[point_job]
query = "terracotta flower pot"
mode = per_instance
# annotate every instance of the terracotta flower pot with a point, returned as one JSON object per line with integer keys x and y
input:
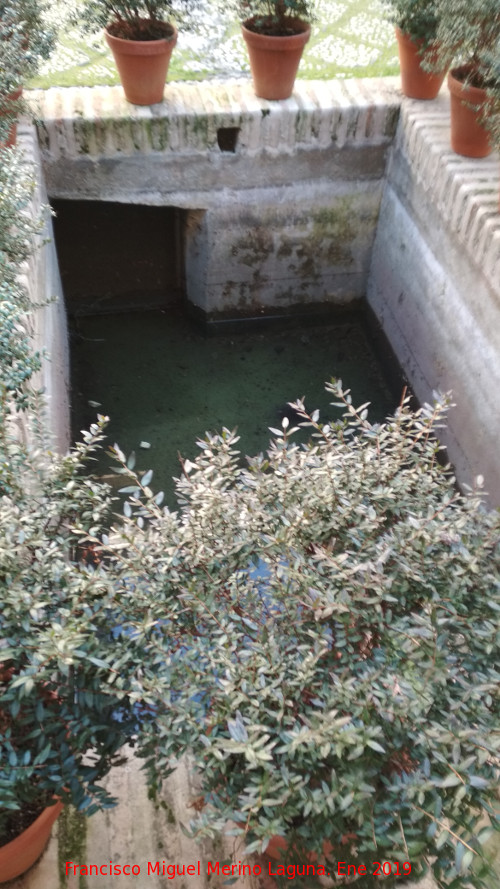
{"x": 142, "y": 66}
{"x": 12, "y": 137}
{"x": 415, "y": 81}
{"x": 21, "y": 853}
{"x": 274, "y": 61}
{"x": 468, "y": 136}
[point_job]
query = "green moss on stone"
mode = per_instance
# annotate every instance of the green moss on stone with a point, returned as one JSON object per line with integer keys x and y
{"x": 169, "y": 812}
{"x": 334, "y": 230}
{"x": 85, "y": 131}
{"x": 391, "y": 121}
{"x": 72, "y": 843}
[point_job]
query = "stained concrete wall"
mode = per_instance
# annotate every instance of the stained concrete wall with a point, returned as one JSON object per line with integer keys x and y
{"x": 48, "y": 319}
{"x": 435, "y": 282}
{"x": 138, "y": 832}
{"x": 281, "y": 213}
{"x": 285, "y": 219}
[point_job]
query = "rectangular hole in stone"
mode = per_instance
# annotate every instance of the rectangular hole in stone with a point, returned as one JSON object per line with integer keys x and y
{"x": 227, "y": 138}
{"x": 117, "y": 257}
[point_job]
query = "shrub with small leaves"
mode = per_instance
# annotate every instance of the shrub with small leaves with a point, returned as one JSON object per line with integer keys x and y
{"x": 128, "y": 19}
{"x": 25, "y": 39}
{"x": 416, "y": 18}
{"x": 493, "y": 108}
{"x": 468, "y": 31}
{"x": 275, "y": 17}
{"x": 72, "y": 651}
{"x": 329, "y": 618}
{"x": 72, "y": 648}
{"x": 18, "y": 231}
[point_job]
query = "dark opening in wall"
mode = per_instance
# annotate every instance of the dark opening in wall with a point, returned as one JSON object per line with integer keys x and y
{"x": 227, "y": 138}
{"x": 117, "y": 257}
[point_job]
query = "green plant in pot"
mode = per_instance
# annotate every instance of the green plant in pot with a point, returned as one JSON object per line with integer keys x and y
{"x": 416, "y": 26}
{"x": 493, "y": 101}
{"x": 73, "y": 653}
{"x": 336, "y": 673}
{"x": 25, "y": 39}
{"x": 468, "y": 32}
{"x": 275, "y": 33}
{"x": 141, "y": 39}
{"x": 11, "y": 79}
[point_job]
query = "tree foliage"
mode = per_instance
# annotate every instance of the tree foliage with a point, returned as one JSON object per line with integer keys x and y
{"x": 327, "y": 626}
{"x": 416, "y": 18}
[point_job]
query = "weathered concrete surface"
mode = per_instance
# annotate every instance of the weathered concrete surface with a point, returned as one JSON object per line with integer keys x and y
{"x": 138, "y": 833}
{"x": 286, "y": 218}
{"x": 435, "y": 282}
{"x": 278, "y": 247}
{"x": 48, "y": 320}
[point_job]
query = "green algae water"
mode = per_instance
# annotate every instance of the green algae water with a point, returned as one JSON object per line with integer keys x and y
{"x": 163, "y": 382}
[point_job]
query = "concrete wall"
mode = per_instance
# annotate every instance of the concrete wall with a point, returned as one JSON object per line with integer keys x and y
{"x": 435, "y": 282}
{"x": 48, "y": 320}
{"x": 282, "y": 201}
{"x": 285, "y": 216}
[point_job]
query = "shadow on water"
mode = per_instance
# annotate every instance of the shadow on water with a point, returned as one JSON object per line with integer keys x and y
{"x": 164, "y": 382}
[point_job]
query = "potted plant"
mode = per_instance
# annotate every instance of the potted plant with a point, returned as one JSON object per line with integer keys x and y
{"x": 141, "y": 41}
{"x": 493, "y": 105}
{"x": 73, "y": 653}
{"x": 468, "y": 31}
{"x": 335, "y": 677}
{"x": 25, "y": 39}
{"x": 275, "y": 33}
{"x": 416, "y": 25}
{"x": 11, "y": 77}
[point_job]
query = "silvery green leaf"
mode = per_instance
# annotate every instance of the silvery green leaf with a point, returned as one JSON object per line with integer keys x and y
{"x": 459, "y": 854}
{"x": 477, "y": 781}
{"x": 250, "y": 623}
{"x": 450, "y": 781}
{"x": 146, "y": 478}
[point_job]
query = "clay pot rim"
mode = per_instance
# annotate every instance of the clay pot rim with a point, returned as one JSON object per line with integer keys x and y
{"x": 38, "y": 833}
{"x": 155, "y": 46}
{"x": 458, "y": 86}
{"x": 403, "y": 35}
{"x": 429, "y": 50}
{"x": 275, "y": 42}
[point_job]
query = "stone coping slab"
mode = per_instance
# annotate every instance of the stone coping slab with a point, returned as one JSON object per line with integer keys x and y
{"x": 465, "y": 191}
{"x": 99, "y": 122}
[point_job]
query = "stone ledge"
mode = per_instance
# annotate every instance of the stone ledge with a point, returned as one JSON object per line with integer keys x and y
{"x": 465, "y": 191}
{"x": 99, "y": 122}
{"x": 434, "y": 282}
